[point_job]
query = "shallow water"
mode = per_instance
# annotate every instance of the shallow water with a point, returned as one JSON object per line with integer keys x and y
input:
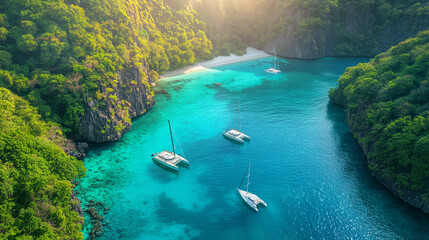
{"x": 305, "y": 163}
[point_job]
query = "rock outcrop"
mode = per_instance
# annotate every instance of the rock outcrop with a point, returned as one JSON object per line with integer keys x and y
{"x": 108, "y": 116}
{"x": 77, "y": 207}
{"x": 78, "y": 151}
{"x": 317, "y": 44}
{"x": 358, "y": 35}
{"x": 411, "y": 197}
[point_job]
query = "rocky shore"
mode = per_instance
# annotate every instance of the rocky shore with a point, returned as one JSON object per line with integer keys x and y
{"x": 409, "y": 196}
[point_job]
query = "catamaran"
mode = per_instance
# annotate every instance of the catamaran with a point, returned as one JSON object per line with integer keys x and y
{"x": 275, "y": 68}
{"x": 170, "y": 159}
{"x": 234, "y": 134}
{"x": 249, "y": 198}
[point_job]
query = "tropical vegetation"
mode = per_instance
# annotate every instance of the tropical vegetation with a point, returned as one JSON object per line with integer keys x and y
{"x": 58, "y": 54}
{"x": 387, "y": 105}
{"x": 35, "y": 176}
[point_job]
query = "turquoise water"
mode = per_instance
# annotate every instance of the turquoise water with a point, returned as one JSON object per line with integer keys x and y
{"x": 305, "y": 163}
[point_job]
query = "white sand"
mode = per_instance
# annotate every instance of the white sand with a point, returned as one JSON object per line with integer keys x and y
{"x": 251, "y": 54}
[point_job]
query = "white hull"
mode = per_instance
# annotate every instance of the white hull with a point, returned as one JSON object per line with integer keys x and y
{"x": 251, "y": 199}
{"x": 272, "y": 70}
{"x": 236, "y": 135}
{"x": 170, "y": 160}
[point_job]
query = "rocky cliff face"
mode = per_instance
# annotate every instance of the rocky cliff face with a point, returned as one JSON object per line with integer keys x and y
{"x": 108, "y": 116}
{"x": 410, "y": 196}
{"x": 318, "y": 44}
{"x": 349, "y": 32}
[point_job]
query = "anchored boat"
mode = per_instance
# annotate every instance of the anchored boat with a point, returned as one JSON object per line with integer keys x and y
{"x": 234, "y": 134}
{"x": 275, "y": 68}
{"x": 169, "y": 159}
{"x": 249, "y": 198}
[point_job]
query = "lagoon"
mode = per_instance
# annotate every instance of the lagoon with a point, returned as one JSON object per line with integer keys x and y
{"x": 306, "y": 165}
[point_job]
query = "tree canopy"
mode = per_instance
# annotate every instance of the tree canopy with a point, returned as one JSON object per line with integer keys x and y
{"x": 387, "y": 105}
{"x": 35, "y": 176}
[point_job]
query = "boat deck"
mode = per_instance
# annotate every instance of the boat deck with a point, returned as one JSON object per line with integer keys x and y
{"x": 170, "y": 159}
{"x": 251, "y": 199}
{"x": 256, "y": 200}
{"x": 272, "y": 70}
{"x": 236, "y": 135}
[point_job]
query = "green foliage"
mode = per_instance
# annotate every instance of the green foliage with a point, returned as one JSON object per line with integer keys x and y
{"x": 3, "y": 33}
{"x": 57, "y": 54}
{"x": 387, "y": 102}
{"x": 35, "y": 176}
{"x": 26, "y": 43}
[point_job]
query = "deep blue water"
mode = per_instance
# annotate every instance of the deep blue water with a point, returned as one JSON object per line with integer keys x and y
{"x": 305, "y": 163}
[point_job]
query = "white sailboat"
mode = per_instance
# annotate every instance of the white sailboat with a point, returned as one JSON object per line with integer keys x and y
{"x": 249, "y": 198}
{"x": 170, "y": 159}
{"x": 275, "y": 68}
{"x": 234, "y": 134}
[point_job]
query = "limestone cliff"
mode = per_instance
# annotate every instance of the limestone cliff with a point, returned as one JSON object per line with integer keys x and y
{"x": 108, "y": 117}
{"x": 348, "y": 31}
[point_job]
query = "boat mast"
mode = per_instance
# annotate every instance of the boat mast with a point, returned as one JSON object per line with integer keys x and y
{"x": 248, "y": 179}
{"x": 274, "y": 59}
{"x": 171, "y": 135}
{"x": 239, "y": 122}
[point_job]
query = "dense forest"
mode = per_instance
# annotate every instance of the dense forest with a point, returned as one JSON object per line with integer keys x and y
{"x": 35, "y": 176}
{"x": 312, "y": 28}
{"x": 60, "y": 55}
{"x": 387, "y": 105}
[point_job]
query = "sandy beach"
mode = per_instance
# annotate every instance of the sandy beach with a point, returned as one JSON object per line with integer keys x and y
{"x": 251, "y": 54}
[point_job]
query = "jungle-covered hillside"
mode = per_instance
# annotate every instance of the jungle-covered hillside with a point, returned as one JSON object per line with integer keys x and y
{"x": 387, "y": 105}
{"x": 35, "y": 176}
{"x": 59, "y": 55}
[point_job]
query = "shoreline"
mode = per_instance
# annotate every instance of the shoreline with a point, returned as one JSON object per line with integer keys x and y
{"x": 251, "y": 54}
